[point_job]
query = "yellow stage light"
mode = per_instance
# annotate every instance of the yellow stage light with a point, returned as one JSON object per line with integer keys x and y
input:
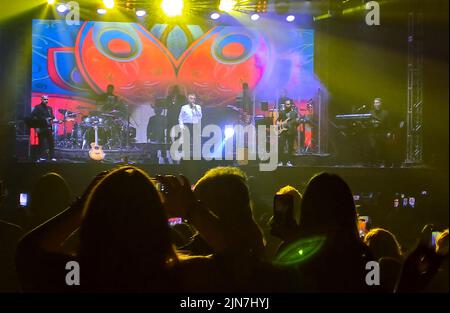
{"x": 109, "y": 4}
{"x": 172, "y": 7}
{"x": 51, "y": 1}
{"x": 227, "y": 5}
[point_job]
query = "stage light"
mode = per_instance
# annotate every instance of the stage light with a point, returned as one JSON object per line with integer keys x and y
{"x": 51, "y": 1}
{"x": 101, "y": 11}
{"x": 290, "y": 18}
{"x": 215, "y": 16}
{"x": 109, "y": 4}
{"x": 61, "y": 8}
{"x": 172, "y": 7}
{"x": 254, "y": 17}
{"x": 229, "y": 132}
{"x": 261, "y": 6}
{"x": 322, "y": 17}
{"x": 227, "y": 5}
{"x": 141, "y": 13}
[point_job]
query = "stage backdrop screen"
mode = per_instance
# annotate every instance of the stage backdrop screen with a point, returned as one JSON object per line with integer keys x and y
{"x": 75, "y": 64}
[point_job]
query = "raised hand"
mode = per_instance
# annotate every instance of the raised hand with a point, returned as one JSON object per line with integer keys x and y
{"x": 178, "y": 198}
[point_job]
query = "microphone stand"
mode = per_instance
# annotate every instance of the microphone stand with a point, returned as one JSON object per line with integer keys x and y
{"x": 360, "y": 108}
{"x": 127, "y": 140}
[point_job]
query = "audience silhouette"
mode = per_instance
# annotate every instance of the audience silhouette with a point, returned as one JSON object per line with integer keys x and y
{"x": 130, "y": 232}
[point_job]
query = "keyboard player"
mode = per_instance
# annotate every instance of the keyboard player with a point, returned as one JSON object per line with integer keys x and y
{"x": 370, "y": 131}
{"x": 379, "y": 133}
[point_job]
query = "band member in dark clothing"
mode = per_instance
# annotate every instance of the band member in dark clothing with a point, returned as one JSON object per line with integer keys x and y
{"x": 156, "y": 134}
{"x": 116, "y": 114}
{"x": 174, "y": 101}
{"x": 282, "y": 100}
{"x": 245, "y": 103}
{"x": 287, "y": 127}
{"x": 42, "y": 116}
{"x": 155, "y": 127}
{"x": 110, "y": 103}
{"x": 379, "y": 133}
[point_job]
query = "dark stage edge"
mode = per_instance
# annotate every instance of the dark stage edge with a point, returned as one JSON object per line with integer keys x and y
{"x": 359, "y": 177}
{"x": 22, "y": 176}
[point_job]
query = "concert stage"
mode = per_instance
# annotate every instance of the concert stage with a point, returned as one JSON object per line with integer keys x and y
{"x": 122, "y": 82}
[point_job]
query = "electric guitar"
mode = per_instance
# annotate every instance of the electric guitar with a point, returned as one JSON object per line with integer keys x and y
{"x": 96, "y": 153}
{"x": 282, "y": 126}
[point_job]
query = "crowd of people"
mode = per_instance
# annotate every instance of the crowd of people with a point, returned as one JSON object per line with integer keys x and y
{"x": 131, "y": 232}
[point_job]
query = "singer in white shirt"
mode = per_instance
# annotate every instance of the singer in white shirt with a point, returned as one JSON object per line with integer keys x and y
{"x": 190, "y": 113}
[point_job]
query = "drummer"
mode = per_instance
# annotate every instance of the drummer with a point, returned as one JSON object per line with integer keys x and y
{"x": 109, "y": 103}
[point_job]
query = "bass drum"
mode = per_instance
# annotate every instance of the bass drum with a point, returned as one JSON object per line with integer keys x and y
{"x": 77, "y": 135}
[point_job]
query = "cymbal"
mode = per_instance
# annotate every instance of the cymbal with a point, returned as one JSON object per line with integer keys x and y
{"x": 107, "y": 114}
{"x": 62, "y": 111}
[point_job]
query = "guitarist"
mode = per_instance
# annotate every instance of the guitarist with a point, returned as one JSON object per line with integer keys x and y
{"x": 42, "y": 116}
{"x": 287, "y": 126}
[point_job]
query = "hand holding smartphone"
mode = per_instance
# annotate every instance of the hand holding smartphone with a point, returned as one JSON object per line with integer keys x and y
{"x": 283, "y": 223}
{"x": 363, "y": 228}
{"x": 283, "y": 206}
{"x": 23, "y": 200}
{"x": 177, "y": 194}
{"x": 434, "y": 235}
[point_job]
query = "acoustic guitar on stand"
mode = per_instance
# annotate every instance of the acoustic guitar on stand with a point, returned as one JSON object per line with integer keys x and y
{"x": 96, "y": 153}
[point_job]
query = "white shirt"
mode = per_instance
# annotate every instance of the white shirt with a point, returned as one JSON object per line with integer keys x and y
{"x": 190, "y": 115}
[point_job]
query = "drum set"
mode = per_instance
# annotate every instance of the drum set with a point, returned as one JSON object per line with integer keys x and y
{"x": 114, "y": 131}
